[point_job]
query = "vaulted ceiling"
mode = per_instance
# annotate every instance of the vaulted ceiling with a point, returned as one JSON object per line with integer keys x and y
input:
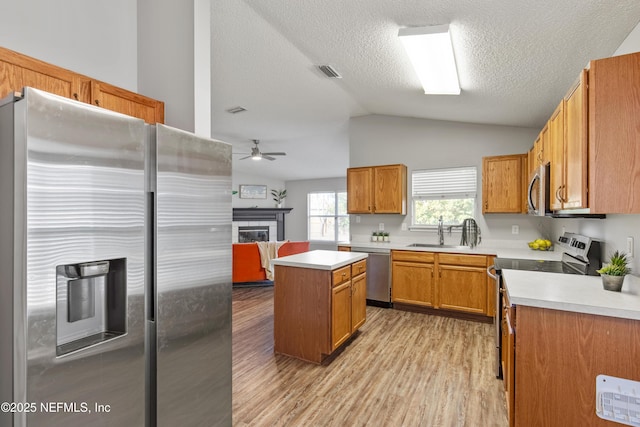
{"x": 515, "y": 58}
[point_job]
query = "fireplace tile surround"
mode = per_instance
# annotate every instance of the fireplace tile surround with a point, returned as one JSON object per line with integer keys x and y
{"x": 248, "y": 217}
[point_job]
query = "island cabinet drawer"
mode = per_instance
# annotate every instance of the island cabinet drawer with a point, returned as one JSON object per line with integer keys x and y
{"x": 341, "y": 275}
{"x": 462, "y": 259}
{"x": 415, "y": 256}
{"x": 359, "y": 267}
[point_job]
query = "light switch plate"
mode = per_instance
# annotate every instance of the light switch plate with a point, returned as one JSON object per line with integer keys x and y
{"x": 630, "y": 246}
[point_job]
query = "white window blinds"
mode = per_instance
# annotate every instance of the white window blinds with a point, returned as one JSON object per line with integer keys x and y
{"x": 451, "y": 183}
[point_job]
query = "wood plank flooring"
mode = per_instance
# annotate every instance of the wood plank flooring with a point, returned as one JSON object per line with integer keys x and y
{"x": 401, "y": 369}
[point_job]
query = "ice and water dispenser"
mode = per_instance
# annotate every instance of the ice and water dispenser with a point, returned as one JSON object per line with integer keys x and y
{"x": 91, "y": 303}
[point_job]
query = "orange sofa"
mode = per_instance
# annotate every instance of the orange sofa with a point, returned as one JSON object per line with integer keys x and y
{"x": 247, "y": 266}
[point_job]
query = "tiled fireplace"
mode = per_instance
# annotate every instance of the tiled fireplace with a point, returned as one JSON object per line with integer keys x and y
{"x": 258, "y": 224}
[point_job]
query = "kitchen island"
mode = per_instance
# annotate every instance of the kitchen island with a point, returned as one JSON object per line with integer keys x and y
{"x": 562, "y": 332}
{"x": 319, "y": 302}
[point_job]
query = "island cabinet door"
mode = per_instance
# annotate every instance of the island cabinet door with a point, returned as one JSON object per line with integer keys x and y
{"x": 358, "y": 301}
{"x": 340, "y": 314}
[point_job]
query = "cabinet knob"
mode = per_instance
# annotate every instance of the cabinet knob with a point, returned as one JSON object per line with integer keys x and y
{"x": 97, "y": 102}
{"x": 75, "y": 96}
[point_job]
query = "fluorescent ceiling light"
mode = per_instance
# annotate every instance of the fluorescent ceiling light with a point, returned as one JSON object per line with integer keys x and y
{"x": 431, "y": 54}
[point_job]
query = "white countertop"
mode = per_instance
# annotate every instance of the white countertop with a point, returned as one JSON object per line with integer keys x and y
{"x": 572, "y": 292}
{"x": 320, "y": 260}
{"x": 502, "y": 252}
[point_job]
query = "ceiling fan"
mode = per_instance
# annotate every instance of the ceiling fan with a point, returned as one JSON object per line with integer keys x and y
{"x": 256, "y": 154}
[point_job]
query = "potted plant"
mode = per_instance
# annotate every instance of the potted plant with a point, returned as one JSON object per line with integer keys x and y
{"x": 374, "y": 236}
{"x": 279, "y": 196}
{"x": 613, "y": 273}
{"x": 385, "y": 236}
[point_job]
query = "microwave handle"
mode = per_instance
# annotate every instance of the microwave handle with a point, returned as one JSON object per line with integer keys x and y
{"x": 536, "y": 176}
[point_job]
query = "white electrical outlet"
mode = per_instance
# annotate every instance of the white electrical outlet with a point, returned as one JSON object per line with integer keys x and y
{"x": 515, "y": 229}
{"x": 630, "y": 246}
{"x": 357, "y": 219}
{"x": 381, "y": 226}
{"x": 403, "y": 227}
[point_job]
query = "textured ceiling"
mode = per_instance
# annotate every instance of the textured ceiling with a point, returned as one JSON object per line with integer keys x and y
{"x": 515, "y": 60}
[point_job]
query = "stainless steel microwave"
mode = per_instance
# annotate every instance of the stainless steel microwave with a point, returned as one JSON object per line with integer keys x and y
{"x": 538, "y": 191}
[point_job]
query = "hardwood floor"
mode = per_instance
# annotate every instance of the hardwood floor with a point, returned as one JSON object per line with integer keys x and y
{"x": 401, "y": 369}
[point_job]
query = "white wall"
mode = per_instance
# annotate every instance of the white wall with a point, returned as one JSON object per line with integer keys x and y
{"x": 296, "y": 221}
{"x": 425, "y": 144}
{"x": 245, "y": 179}
{"x": 95, "y": 38}
{"x": 166, "y": 57}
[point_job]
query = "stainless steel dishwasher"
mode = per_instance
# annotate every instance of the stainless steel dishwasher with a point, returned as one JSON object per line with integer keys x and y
{"x": 378, "y": 275}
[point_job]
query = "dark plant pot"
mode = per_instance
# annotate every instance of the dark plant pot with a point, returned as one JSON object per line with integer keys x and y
{"x": 612, "y": 283}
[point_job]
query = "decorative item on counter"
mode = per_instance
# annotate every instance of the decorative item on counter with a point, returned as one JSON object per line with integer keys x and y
{"x": 385, "y": 236}
{"x": 541, "y": 245}
{"x": 471, "y": 235}
{"x": 279, "y": 196}
{"x": 613, "y": 273}
{"x": 374, "y": 236}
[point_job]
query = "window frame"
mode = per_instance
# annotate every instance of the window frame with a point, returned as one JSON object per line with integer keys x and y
{"x": 443, "y": 194}
{"x": 336, "y": 216}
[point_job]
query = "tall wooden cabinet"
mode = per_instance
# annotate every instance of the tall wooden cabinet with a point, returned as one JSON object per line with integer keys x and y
{"x": 556, "y": 134}
{"x": 503, "y": 183}
{"x": 614, "y": 134}
{"x": 18, "y": 71}
{"x": 575, "y": 142}
{"x": 377, "y": 189}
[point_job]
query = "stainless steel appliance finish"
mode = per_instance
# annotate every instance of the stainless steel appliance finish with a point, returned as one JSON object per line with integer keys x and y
{"x": 76, "y": 197}
{"x": 115, "y": 269}
{"x": 582, "y": 255}
{"x": 192, "y": 279}
{"x": 538, "y": 191}
{"x": 378, "y": 275}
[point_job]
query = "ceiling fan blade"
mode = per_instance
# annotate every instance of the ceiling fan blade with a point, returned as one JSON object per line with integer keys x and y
{"x": 242, "y": 158}
{"x": 275, "y": 154}
{"x": 264, "y": 156}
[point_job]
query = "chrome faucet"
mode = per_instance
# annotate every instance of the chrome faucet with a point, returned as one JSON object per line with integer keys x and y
{"x": 440, "y": 230}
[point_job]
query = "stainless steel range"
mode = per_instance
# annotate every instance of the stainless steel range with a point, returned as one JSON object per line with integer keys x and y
{"x": 581, "y": 255}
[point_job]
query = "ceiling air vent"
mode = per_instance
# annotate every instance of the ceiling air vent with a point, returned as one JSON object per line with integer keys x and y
{"x": 236, "y": 110}
{"x": 329, "y": 71}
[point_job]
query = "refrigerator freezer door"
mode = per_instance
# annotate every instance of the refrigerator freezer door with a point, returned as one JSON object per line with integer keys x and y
{"x": 193, "y": 279}
{"x": 79, "y": 200}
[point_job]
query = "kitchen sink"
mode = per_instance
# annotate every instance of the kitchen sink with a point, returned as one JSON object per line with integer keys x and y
{"x": 435, "y": 245}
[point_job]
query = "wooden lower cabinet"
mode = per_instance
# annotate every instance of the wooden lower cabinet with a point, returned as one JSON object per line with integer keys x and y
{"x": 358, "y": 301}
{"x": 340, "y": 314}
{"x": 316, "y": 311}
{"x": 412, "y": 278}
{"x": 508, "y": 357}
{"x": 559, "y": 354}
{"x": 459, "y": 285}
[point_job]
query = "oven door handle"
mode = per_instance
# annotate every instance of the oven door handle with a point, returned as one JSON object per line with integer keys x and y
{"x": 491, "y": 267}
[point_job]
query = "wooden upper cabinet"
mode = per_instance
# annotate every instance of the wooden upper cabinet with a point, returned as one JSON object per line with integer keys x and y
{"x": 359, "y": 190}
{"x": 390, "y": 189}
{"x": 123, "y": 101}
{"x": 377, "y": 189}
{"x": 614, "y": 135}
{"x": 556, "y": 134}
{"x": 575, "y": 142}
{"x": 18, "y": 71}
{"x": 503, "y": 183}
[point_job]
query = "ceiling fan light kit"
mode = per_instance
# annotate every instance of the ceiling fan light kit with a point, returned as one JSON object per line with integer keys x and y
{"x": 431, "y": 53}
{"x": 256, "y": 154}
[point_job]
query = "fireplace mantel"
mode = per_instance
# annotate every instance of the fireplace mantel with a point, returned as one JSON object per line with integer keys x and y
{"x": 263, "y": 214}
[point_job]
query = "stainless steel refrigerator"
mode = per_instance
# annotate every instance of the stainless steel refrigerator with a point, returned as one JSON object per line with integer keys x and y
{"x": 115, "y": 269}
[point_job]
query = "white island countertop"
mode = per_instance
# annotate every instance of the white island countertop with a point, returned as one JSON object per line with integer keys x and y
{"x": 320, "y": 260}
{"x": 573, "y": 292}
